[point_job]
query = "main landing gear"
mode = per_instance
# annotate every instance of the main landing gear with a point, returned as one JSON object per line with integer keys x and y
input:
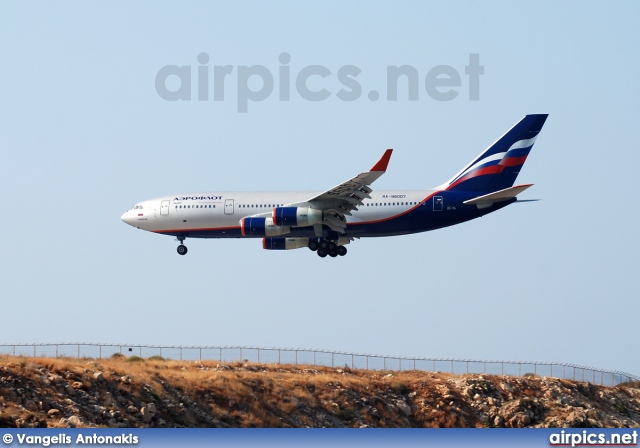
{"x": 182, "y": 249}
{"x": 324, "y": 248}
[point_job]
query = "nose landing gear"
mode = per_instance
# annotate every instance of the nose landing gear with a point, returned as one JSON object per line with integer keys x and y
{"x": 182, "y": 249}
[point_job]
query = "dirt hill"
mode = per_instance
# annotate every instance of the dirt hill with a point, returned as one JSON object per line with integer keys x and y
{"x": 42, "y": 392}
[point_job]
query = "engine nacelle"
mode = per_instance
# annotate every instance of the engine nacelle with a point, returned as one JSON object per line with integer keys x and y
{"x": 284, "y": 243}
{"x": 296, "y": 216}
{"x": 261, "y": 227}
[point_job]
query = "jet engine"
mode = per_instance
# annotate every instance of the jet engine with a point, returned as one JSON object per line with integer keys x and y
{"x": 261, "y": 227}
{"x": 296, "y": 216}
{"x": 284, "y": 243}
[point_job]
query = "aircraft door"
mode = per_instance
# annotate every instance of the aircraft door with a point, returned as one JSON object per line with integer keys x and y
{"x": 438, "y": 203}
{"x": 228, "y": 206}
{"x": 164, "y": 208}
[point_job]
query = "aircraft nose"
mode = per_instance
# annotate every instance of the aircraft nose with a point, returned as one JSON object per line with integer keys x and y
{"x": 127, "y": 218}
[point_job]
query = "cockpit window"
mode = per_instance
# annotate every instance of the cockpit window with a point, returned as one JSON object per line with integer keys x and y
{"x": 137, "y": 207}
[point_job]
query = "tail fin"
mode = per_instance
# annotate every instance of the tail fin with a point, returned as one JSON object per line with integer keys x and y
{"x": 498, "y": 166}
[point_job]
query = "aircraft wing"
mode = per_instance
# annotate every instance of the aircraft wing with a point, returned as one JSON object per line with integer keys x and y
{"x": 342, "y": 199}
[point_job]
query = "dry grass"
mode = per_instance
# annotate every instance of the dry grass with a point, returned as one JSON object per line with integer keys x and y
{"x": 205, "y": 393}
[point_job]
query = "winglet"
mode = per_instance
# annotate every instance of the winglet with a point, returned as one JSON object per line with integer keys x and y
{"x": 383, "y": 162}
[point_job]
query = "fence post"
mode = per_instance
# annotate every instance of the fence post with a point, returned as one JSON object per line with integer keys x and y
{"x": 100, "y": 351}
{"x": 200, "y": 354}
{"x": 78, "y": 351}
{"x": 352, "y": 360}
{"x": 258, "y": 356}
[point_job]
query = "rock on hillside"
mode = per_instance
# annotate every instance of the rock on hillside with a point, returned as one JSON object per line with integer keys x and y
{"x": 39, "y": 392}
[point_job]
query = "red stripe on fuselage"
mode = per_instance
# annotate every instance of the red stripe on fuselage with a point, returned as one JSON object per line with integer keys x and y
{"x": 420, "y": 204}
{"x": 195, "y": 230}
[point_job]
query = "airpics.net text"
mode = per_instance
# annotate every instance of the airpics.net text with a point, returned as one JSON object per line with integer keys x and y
{"x": 254, "y": 83}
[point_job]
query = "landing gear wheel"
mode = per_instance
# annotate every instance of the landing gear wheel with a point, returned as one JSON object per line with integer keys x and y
{"x": 313, "y": 245}
{"x": 342, "y": 251}
{"x": 333, "y": 252}
{"x": 182, "y": 249}
{"x": 323, "y": 245}
{"x": 322, "y": 253}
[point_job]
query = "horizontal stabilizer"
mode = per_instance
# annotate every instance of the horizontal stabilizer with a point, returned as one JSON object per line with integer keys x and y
{"x": 488, "y": 200}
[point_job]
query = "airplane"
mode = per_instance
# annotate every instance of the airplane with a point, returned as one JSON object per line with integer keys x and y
{"x": 326, "y": 222}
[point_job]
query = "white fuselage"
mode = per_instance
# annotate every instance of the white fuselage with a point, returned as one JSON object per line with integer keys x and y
{"x": 221, "y": 212}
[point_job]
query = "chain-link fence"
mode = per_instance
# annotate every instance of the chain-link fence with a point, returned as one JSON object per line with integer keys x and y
{"x": 322, "y": 358}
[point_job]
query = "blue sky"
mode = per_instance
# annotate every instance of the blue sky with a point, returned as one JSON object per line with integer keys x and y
{"x": 84, "y": 136}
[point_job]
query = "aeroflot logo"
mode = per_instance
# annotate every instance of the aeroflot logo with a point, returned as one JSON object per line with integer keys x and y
{"x": 314, "y": 82}
{"x": 199, "y": 198}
